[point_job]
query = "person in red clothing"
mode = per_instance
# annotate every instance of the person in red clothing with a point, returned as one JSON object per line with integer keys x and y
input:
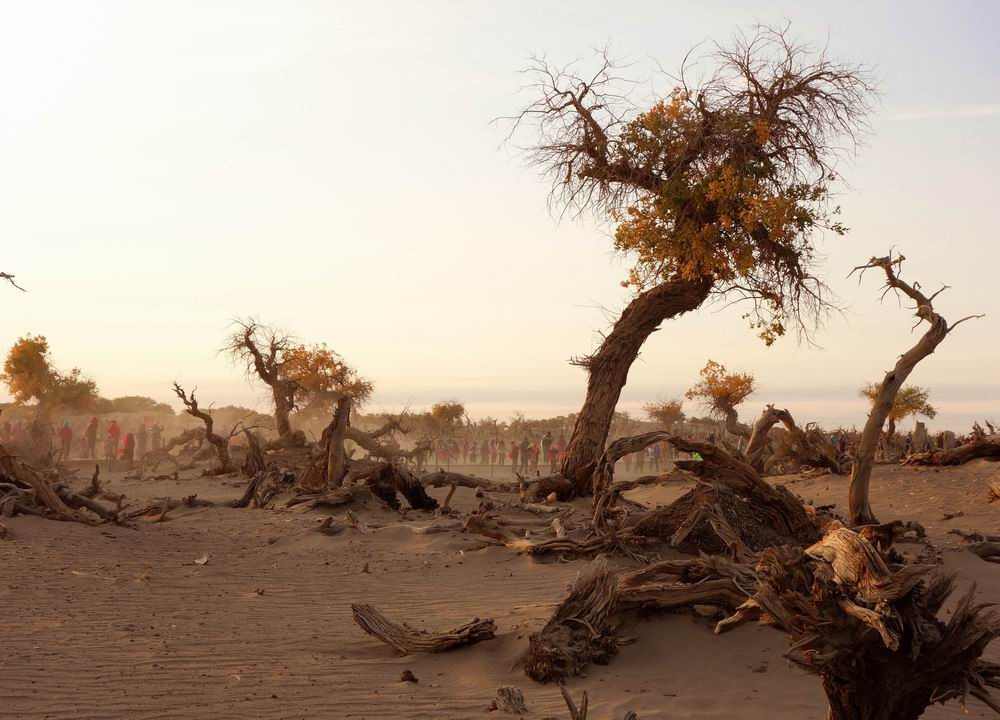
{"x": 65, "y": 440}
{"x": 114, "y": 433}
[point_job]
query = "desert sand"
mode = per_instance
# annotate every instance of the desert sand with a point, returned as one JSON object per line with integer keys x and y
{"x": 113, "y": 622}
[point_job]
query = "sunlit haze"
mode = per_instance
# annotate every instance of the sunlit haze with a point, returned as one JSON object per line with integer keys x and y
{"x": 332, "y": 168}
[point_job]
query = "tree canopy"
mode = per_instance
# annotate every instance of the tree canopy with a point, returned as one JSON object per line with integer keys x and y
{"x": 30, "y": 376}
{"x": 910, "y": 400}
{"x": 665, "y": 412}
{"x": 720, "y": 390}
{"x": 727, "y": 179}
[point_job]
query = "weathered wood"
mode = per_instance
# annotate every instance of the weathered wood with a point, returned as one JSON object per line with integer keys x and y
{"x": 510, "y": 699}
{"x": 408, "y": 640}
{"x": 937, "y": 330}
{"x": 579, "y": 631}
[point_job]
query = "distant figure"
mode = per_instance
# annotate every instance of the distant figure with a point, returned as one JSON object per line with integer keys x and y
{"x": 501, "y": 452}
{"x": 640, "y": 461}
{"x": 654, "y": 453}
{"x": 157, "y": 434}
{"x": 65, "y": 440}
{"x": 561, "y": 444}
{"x": 472, "y": 454}
{"x": 553, "y": 459}
{"x": 842, "y": 443}
{"x": 91, "y": 436}
{"x": 493, "y": 452}
{"x": 114, "y": 433}
{"x": 534, "y": 457}
{"x": 711, "y": 438}
{"x": 514, "y": 455}
{"x": 525, "y": 453}
{"x": 465, "y": 451}
{"x": 484, "y": 453}
{"x": 546, "y": 443}
{"x": 128, "y": 451}
{"x": 141, "y": 440}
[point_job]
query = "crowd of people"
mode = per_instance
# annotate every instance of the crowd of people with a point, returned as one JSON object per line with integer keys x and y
{"x": 524, "y": 456}
{"x": 527, "y": 455}
{"x": 67, "y": 441}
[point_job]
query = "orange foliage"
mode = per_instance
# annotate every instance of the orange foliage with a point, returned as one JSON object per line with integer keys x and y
{"x": 720, "y": 390}
{"x": 321, "y": 376}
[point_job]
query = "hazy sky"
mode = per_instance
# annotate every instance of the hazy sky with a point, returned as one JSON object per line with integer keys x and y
{"x": 331, "y": 167}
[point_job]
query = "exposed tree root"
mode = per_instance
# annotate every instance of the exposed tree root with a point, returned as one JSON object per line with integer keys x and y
{"x": 408, "y": 640}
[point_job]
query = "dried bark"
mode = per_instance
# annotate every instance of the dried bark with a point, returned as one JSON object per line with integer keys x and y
{"x": 408, "y": 640}
{"x": 937, "y": 330}
{"x": 872, "y": 633}
{"x": 608, "y": 367}
{"x": 509, "y": 699}
{"x": 987, "y": 447}
{"x": 808, "y": 450}
{"x": 580, "y": 631}
{"x": 255, "y": 462}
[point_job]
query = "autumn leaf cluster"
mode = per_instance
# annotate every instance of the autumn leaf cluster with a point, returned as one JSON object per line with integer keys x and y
{"x": 721, "y": 390}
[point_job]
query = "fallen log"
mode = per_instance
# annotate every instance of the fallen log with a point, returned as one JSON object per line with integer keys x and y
{"x": 408, "y": 640}
{"x": 987, "y": 447}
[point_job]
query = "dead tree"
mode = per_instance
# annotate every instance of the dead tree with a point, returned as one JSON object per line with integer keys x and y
{"x": 220, "y": 443}
{"x": 261, "y": 349}
{"x": 10, "y": 278}
{"x": 786, "y": 108}
{"x": 937, "y": 330}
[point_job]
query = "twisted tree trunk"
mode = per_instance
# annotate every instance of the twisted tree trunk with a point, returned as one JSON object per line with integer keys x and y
{"x": 858, "y": 502}
{"x": 607, "y": 370}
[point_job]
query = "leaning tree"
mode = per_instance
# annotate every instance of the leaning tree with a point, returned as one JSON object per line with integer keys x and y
{"x": 888, "y": 390}
{"x": 718, "y": 188}
{"x": 297, "y": 375}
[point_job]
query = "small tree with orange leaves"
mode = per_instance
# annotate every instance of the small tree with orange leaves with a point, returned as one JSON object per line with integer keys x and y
{"x": 721, "y": 391}
{"x": 718, "y": 189}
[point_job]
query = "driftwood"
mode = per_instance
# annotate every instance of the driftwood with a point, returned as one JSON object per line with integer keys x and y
{"x": 509, "y": 699}
{"x": 255, "y": 462}
{"x": 986, "y": 447}
{"x": 580, "y": 631}
{"x": 808, "y": 447}
{"x": 262, "y": 487}
{"x": 408, "y": 640}
{"x": 33, "y": 493}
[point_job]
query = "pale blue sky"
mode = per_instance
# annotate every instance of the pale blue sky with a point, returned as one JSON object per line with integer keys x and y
{"x": 331, "y": 167}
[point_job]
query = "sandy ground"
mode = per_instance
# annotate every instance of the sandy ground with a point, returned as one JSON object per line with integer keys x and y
{"x": 110, "y": 622}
